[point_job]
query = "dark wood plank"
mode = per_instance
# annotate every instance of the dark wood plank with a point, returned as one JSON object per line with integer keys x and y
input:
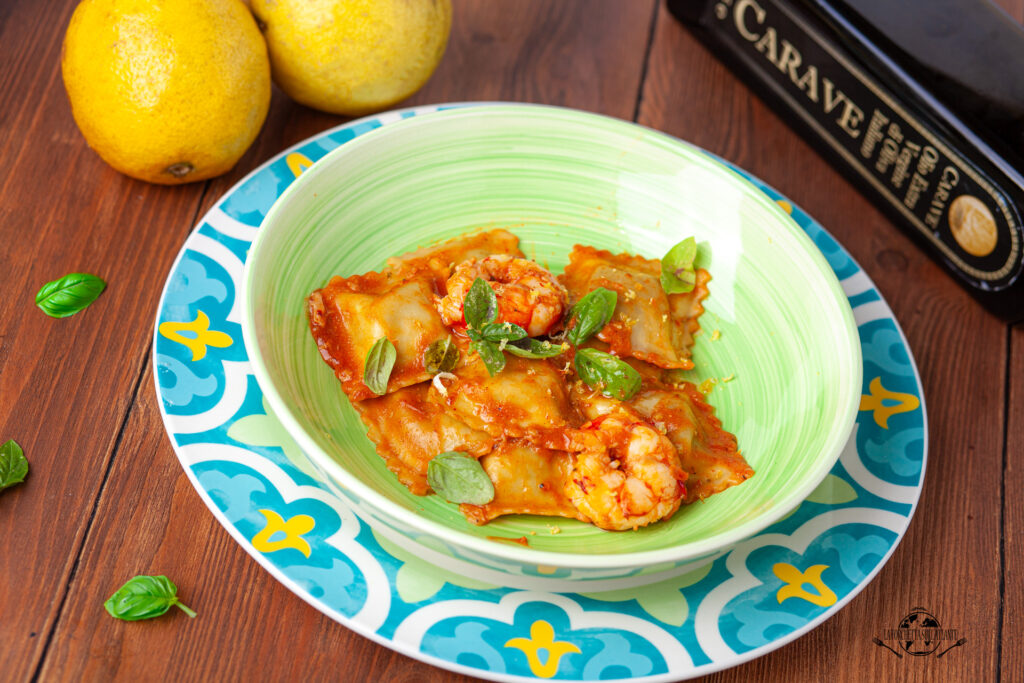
{"x": 949, "y": 560}
{"x": 583, "y": 54}
{"x": 1013, "y": 514}
{"x": 66, "y": 385}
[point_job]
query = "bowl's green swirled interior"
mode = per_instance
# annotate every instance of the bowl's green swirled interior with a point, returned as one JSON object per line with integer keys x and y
{"x": 556, "y": 178}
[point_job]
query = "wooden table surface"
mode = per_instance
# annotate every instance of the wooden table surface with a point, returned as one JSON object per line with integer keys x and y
{"x": 106, "y": 498}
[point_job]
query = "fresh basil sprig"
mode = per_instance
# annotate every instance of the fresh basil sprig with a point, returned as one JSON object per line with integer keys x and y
{"x": 534, "y": 348}
{"x": 380, "y": 360}
{"x": 144, "y": 597}
{"x": 499, "y": 332}
{"x": 491, "y": 355}
{"x": 459, "y": 478}
{"x": 491, "y": 338}
{"x": 591, "y": 314}
{"x": 677, "y": 274}
{"x": 606, "y": 373}
{"x": 480, "y": 309}
{"x": 480, "y": 305}
{"x": 69, "y": 294}
{"x": 13, "y": 464}
{"x": 441, "y": 356}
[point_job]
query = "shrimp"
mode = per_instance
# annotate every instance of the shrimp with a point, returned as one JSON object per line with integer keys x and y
{"x": 528, "y": 295}
{"x": 626, "y": 474}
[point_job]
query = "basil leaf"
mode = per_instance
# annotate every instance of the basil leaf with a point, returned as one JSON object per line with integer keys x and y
{"x": 497, "y": 332}
{"x": 13, "y": 464}
{"x": 602, "y": 371}
{"x": 480, "y": 305}
{"x": 69, "y": 295}
{"x": 459, "y": 478}
{"x": 677, "y": 276}
{"x": 144, "y": 597}
{"x": 534, "y": 348}
{"x": 491, "y": 355}
{"x": 379, "y": 362}
{"x": 591, "y": 313}
{"x": 441, "y": 356}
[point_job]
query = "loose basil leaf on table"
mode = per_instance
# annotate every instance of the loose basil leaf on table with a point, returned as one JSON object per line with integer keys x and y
{"x": 380, "y": 360}
{"x": 534, "y": 348}
{"x": 602, "y": 371}
{"x": 13, "y": 464}
{"x": 591, "y": 314}
{"x": 480, "y": 305}
{"x": 677, "y": 274}
{"x": 491, "y": 355}
{"x": 459, "y": 478}
{"x": 496, "y": 332}
{"x": 144, "y": 597}
{"x": 441, "y": 356}
{"x": 70, "y": 294}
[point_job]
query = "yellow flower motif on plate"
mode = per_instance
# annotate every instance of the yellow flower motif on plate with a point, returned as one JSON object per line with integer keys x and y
{"x": 887, "y": 403}
{"x": 786, "y": 206}
{"x": 204, "y": 336}
{"x": 542, "y": 637}
{"x": 292, "y": 529}
{"x": 297, "y": 163}
{"x": 795, "y": 580}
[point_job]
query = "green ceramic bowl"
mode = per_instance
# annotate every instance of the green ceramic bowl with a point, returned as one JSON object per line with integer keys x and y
{"x": 557, "y": 177}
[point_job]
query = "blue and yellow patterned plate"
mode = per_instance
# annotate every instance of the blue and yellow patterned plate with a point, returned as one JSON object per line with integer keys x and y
{"x": 765, "y": 592}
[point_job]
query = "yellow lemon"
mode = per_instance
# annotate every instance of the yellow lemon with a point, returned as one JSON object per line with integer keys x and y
{"x": 353, "y": 56}
{"x": 169, "y": 91}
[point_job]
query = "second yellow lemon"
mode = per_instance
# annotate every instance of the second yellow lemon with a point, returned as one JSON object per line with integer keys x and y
{"x": 353, "y": 56}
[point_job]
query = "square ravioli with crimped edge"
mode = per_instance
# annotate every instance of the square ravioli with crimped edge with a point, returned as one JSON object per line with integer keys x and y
{"x": 707, "y": 453}
{"x": 350, "y": 314}
{"x": 648, "y": 324}
{"x": 528, "y": 480}
{"x": 409, "y": 430}
{"x": 527, "y": 400}
{"x": 440, "y": 259}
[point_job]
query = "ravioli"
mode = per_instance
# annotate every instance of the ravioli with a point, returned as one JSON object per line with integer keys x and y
{"x": 648, "y": 324}
{"x": 707, "y": 452}
{"x": 440, "y": 259}
{"x": 409, "y": 430}
{"x": 528, "y": 400}
{"x": 350, "y": 314}
{"x": 528, "y": 480}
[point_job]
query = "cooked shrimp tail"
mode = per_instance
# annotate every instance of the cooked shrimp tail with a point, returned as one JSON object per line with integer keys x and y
{"x": 527, "y": 294}
{"x": 626, "y": 474}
